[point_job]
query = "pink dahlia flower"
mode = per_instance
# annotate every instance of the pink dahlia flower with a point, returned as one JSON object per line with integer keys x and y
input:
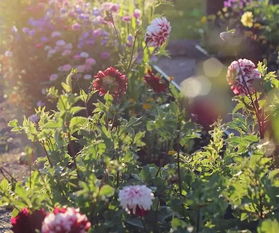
{"x": 65, "y": 220}
{"x": 136, "y": 199}
{"x": 156, "y": 83}
{"x": 157, "y": 32}
{"x": 241, "y": 76}
{"x": 112, "y": 81}
{"x": 27, "y": 221}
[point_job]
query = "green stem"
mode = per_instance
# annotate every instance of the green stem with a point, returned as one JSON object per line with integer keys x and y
{"x": 132, "y": 53}
{"x": 47, "y": 155}
{"x": 179, "y": 172}
{"x": 253, "y": 103}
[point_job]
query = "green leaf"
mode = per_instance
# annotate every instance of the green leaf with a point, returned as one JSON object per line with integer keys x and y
{"x": 77, "y": 123}
{"x": 106, "y": 191}
{"x": 135, "y": 222}
{"x": 66, "y": 87}
{"x": 138, "y": 139}
{"x": 269, "y": 226}
{"x": 76, "y": 109}
{"x": 14, "y": 125}
{"x": 177, "y": 223}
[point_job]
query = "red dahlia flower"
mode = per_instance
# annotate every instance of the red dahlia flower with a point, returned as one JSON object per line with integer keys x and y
{"x": 241, "y": 76}
{"x": 156, "y": 83}
{"x": 27, "y": 221}
{"x": 112, "y": 81}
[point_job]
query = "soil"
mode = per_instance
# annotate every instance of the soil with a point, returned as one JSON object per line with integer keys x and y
{"x": 11, "y": 155}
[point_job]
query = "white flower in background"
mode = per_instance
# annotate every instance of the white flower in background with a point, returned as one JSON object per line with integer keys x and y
{"x": 136, "y": 199}
{"x": 157, "y": 32}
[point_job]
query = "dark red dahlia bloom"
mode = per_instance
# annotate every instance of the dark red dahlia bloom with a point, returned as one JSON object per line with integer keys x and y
{"x": 156, "y": 83}
{"x": 27, "y": 221}
{"x": 140, "y": 211}
{"x": 110, "y": 80}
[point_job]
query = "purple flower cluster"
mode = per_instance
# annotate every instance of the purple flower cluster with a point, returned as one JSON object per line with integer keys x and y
{"x": 236, "y": 4}
{"x": 60, "y": 35}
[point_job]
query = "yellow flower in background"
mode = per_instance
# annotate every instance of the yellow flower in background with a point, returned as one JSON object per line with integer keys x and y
{"x": 146, "y": 106}
{"x": 203, "y": 20}
{"x": 172, "y": 152}
{"x": 247, "y": 19}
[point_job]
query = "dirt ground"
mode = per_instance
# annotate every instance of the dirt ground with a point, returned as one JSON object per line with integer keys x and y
{"x": 10, "y": 154}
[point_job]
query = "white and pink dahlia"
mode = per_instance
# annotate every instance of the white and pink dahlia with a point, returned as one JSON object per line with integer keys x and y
{"x": 136, "y": 199}
{"x": 241, "y": 76}
{"x": 157, "y": 32}
{"x": 65, "y": 220}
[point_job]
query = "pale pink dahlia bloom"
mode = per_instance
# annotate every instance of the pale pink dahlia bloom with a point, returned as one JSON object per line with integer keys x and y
{"x": 241, "y": 76}
{"x": 65, "y": 220}
{"x": 157, "y": 32}
{"x": 136, "y": 199}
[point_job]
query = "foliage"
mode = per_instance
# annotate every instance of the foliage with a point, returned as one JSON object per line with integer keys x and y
{"x": 93, "y": 146}
{"x": 226, "y": 185}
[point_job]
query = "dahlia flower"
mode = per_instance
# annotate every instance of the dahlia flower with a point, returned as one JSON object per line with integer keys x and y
{"x": 241, "y": 75}
{"x": 65, "y": 220}
{"x": 112, "y": 81}
{"x": 157, "y": 32}
{"x": 27, "y": 221}
{"x": 136, "y": 199}
{"x": 155, "y": 82}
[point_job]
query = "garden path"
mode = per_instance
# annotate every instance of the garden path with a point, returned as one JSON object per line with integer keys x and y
{"x": 185, "y": 56}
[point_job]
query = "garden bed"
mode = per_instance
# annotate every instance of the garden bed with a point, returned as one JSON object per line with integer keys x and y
{"x": 122, "y": 146}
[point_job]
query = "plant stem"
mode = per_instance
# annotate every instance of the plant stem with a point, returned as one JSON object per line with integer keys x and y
{"x": 179, "y": 172}
{"x": 117, "y": 35}
{"x": 47, "y": 155}
{"x": 73, "y": 156}
{"x": 132, "y": 53}
{"x": 3, "y": 171}
{"x": 255, "y": 106}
